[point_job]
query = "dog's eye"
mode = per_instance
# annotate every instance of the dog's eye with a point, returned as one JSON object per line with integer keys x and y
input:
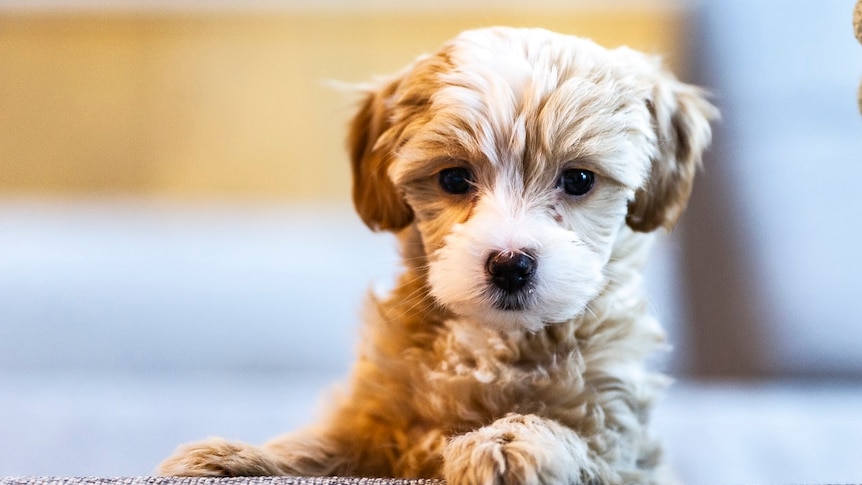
{"x": 577, "y": 181}
{"x": 456, "y": 180}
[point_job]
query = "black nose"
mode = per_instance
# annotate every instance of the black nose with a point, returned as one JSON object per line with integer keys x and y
{"x": 511, "y": 271}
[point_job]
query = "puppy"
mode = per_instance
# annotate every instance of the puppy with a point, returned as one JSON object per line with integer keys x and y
{"x": 523, "y": 172}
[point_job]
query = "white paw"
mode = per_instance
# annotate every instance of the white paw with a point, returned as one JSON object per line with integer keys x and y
{"x": 518, "y": 450}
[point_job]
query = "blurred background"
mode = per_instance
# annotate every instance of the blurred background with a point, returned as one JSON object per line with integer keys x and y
{"x": 179, "y": 257}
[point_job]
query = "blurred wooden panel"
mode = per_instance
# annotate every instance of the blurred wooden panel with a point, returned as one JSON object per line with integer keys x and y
{"x": 216, "y": 104}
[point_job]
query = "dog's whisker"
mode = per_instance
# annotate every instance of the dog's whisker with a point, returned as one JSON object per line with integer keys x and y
{"x": 421, "y": 302}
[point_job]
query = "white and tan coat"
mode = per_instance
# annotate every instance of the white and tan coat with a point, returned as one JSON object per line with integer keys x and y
{"x": 545, "y": 382}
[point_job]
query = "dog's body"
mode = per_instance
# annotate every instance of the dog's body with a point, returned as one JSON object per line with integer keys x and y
{"x": 523, "y": 172}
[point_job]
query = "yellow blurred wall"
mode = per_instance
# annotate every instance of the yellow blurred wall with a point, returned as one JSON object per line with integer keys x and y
{"x": 216, "y": 104}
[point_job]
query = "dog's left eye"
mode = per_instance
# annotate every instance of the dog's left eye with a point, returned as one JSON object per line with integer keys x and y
{"x": 456, "y": 180}
{"x": 576, "y": 181}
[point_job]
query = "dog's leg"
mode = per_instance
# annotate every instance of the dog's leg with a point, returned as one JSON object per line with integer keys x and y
{"x": 217, "y": 457}
{"x": 522, "y": 450}
{"x": 316, "y": 451}
{"x": 302, "y": 453}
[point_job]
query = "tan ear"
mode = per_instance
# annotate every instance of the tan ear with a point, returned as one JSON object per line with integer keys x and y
{"x": 376, "y": 198}
{"x": 681, "y": 117}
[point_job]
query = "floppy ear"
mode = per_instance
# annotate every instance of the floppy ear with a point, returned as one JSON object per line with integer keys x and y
{"x": 681, "y": 117}
{"x": 378, "y": 202}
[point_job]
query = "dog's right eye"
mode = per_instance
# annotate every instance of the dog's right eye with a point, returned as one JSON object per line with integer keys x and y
{"x": 456, "y": 180}
{"x": 577, "y": 181}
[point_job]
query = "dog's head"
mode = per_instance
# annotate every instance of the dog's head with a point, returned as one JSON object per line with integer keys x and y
{"x": 519, "y": 156}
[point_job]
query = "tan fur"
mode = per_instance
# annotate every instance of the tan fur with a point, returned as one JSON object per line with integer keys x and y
{"x": 376, "y": 200}
{"x": 449, "y": 383}
{"x": 680, "y": 115}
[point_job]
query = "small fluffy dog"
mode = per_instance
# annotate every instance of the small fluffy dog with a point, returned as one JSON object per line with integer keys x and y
{"x": 523, "y": 172}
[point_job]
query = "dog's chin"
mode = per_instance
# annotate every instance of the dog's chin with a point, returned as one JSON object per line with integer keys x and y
{"x": 513, "y": 315}
{"x": 513, "y": 320}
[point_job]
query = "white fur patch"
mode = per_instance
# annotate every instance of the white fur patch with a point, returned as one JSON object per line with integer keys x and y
{"x": 568, "y": 273}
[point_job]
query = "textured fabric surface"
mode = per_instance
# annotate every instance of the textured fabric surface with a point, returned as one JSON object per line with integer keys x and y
{"x": 211, "y": 481}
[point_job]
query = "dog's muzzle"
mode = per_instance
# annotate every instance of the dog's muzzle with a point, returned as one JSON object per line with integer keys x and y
{"x": 511, "y": 273}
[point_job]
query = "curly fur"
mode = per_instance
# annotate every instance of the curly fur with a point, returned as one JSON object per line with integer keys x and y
{"x": 449, "y": 383}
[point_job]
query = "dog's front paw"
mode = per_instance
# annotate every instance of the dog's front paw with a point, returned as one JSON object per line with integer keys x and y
{"x": 518, "y": 450}
{"x": 218, "y": 458}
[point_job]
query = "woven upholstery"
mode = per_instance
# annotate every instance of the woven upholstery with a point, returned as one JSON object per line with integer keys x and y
{"x": 212, "y": 481}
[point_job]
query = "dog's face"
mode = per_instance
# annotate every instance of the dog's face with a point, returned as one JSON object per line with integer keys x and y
{"x": 519, "y": 156}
